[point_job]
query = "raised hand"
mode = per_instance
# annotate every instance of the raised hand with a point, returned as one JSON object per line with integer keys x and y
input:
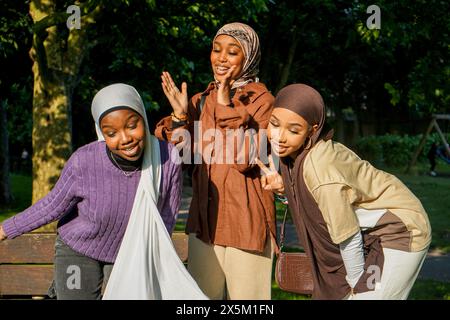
{"x": 2, "y": 234}
{"x": 271, "y": 179}
{"x": 177, "y": 99}
{"x": 223, "y": 94}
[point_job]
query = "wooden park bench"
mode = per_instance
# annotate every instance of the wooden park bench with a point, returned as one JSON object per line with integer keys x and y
{"x": 26, "y": 264}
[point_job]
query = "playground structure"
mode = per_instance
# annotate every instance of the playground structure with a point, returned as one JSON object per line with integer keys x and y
{"x": 433, "y": 124}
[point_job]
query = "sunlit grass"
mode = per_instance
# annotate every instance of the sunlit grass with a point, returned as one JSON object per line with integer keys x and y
{"x": 434, "y": 193}
{"x": 430, "y": 290}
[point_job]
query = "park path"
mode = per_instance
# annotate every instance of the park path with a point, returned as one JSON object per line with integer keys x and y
{"x": 435, "y": 267}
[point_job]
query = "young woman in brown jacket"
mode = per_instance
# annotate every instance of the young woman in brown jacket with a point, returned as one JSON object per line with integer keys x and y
{"x": 231, "y": 221}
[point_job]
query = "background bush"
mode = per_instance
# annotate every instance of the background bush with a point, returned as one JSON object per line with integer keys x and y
{"x": 394, "y": 150}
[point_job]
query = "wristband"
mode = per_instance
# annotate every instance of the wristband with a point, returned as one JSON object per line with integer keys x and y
{"x": 183, "y": 118}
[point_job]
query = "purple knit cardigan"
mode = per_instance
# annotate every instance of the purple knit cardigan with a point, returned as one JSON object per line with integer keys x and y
{"x": 93, "y": 200}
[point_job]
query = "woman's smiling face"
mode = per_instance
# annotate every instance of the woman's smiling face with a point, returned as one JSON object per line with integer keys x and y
{"x": 124, "y": 133}
{"x": 288, "y": 132}
{"x": 226, "y": 52}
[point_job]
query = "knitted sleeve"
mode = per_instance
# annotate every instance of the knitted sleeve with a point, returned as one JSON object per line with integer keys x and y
{"x": 53, "y": 206}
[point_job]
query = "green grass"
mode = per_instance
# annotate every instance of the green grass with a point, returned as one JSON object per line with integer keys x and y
{"x": 21, "y": 190}
{"x": 278, "y": 294}
{"x": 430, "y": 290}
{"x": 180, "y": 226}
{"x": 434, "y": 193}
{"x": 280, "y": 210}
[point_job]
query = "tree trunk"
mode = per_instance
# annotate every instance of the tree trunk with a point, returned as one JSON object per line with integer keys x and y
{"x": 5, "y": 188}
{"x": 288, "y": 65}
{"x": 57, "y": 57}
{"x": 51, "y": 136}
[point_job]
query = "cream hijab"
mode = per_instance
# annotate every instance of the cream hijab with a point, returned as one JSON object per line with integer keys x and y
{"x": 147, "y": 266}
{"x": 120, "y": 95}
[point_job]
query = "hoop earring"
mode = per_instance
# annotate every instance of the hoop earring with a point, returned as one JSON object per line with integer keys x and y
{"x": 309, "y": 144}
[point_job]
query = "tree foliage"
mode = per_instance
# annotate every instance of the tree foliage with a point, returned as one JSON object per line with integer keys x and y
{"x": 388, "y": 79}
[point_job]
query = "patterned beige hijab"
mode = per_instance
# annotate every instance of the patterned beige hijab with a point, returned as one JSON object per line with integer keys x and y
{"x": 249, "y": 41}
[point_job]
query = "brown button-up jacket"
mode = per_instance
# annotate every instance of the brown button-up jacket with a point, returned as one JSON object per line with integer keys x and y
{"x": 229, "y": 206}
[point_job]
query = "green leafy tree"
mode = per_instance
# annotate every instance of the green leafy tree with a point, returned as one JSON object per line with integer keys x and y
{"x": 57, "y": 54}
{"x": 14, "y": 26}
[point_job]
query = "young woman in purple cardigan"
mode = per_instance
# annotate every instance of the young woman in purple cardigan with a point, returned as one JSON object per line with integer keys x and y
{"x": 105, "y": 190}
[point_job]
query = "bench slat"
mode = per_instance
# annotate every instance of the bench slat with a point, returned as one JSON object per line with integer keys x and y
{"x": 19, "y": 277}
{"x": 29, "y": 248}
{"x": 180, "y": 242}
{"x": 25, "y": 280}
{"x": 39, "y": 248}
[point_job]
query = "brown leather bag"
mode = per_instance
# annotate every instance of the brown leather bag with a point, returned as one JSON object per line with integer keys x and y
{"x": 293, "y": 269}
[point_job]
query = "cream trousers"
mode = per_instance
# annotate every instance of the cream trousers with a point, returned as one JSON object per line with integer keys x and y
{"x": 400, "y": 270}
{"x": 230, "y": 273}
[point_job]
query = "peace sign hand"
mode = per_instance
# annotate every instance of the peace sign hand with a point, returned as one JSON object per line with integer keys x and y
{"x": 271, "y": 179}
{"x": 178, "y": 100}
